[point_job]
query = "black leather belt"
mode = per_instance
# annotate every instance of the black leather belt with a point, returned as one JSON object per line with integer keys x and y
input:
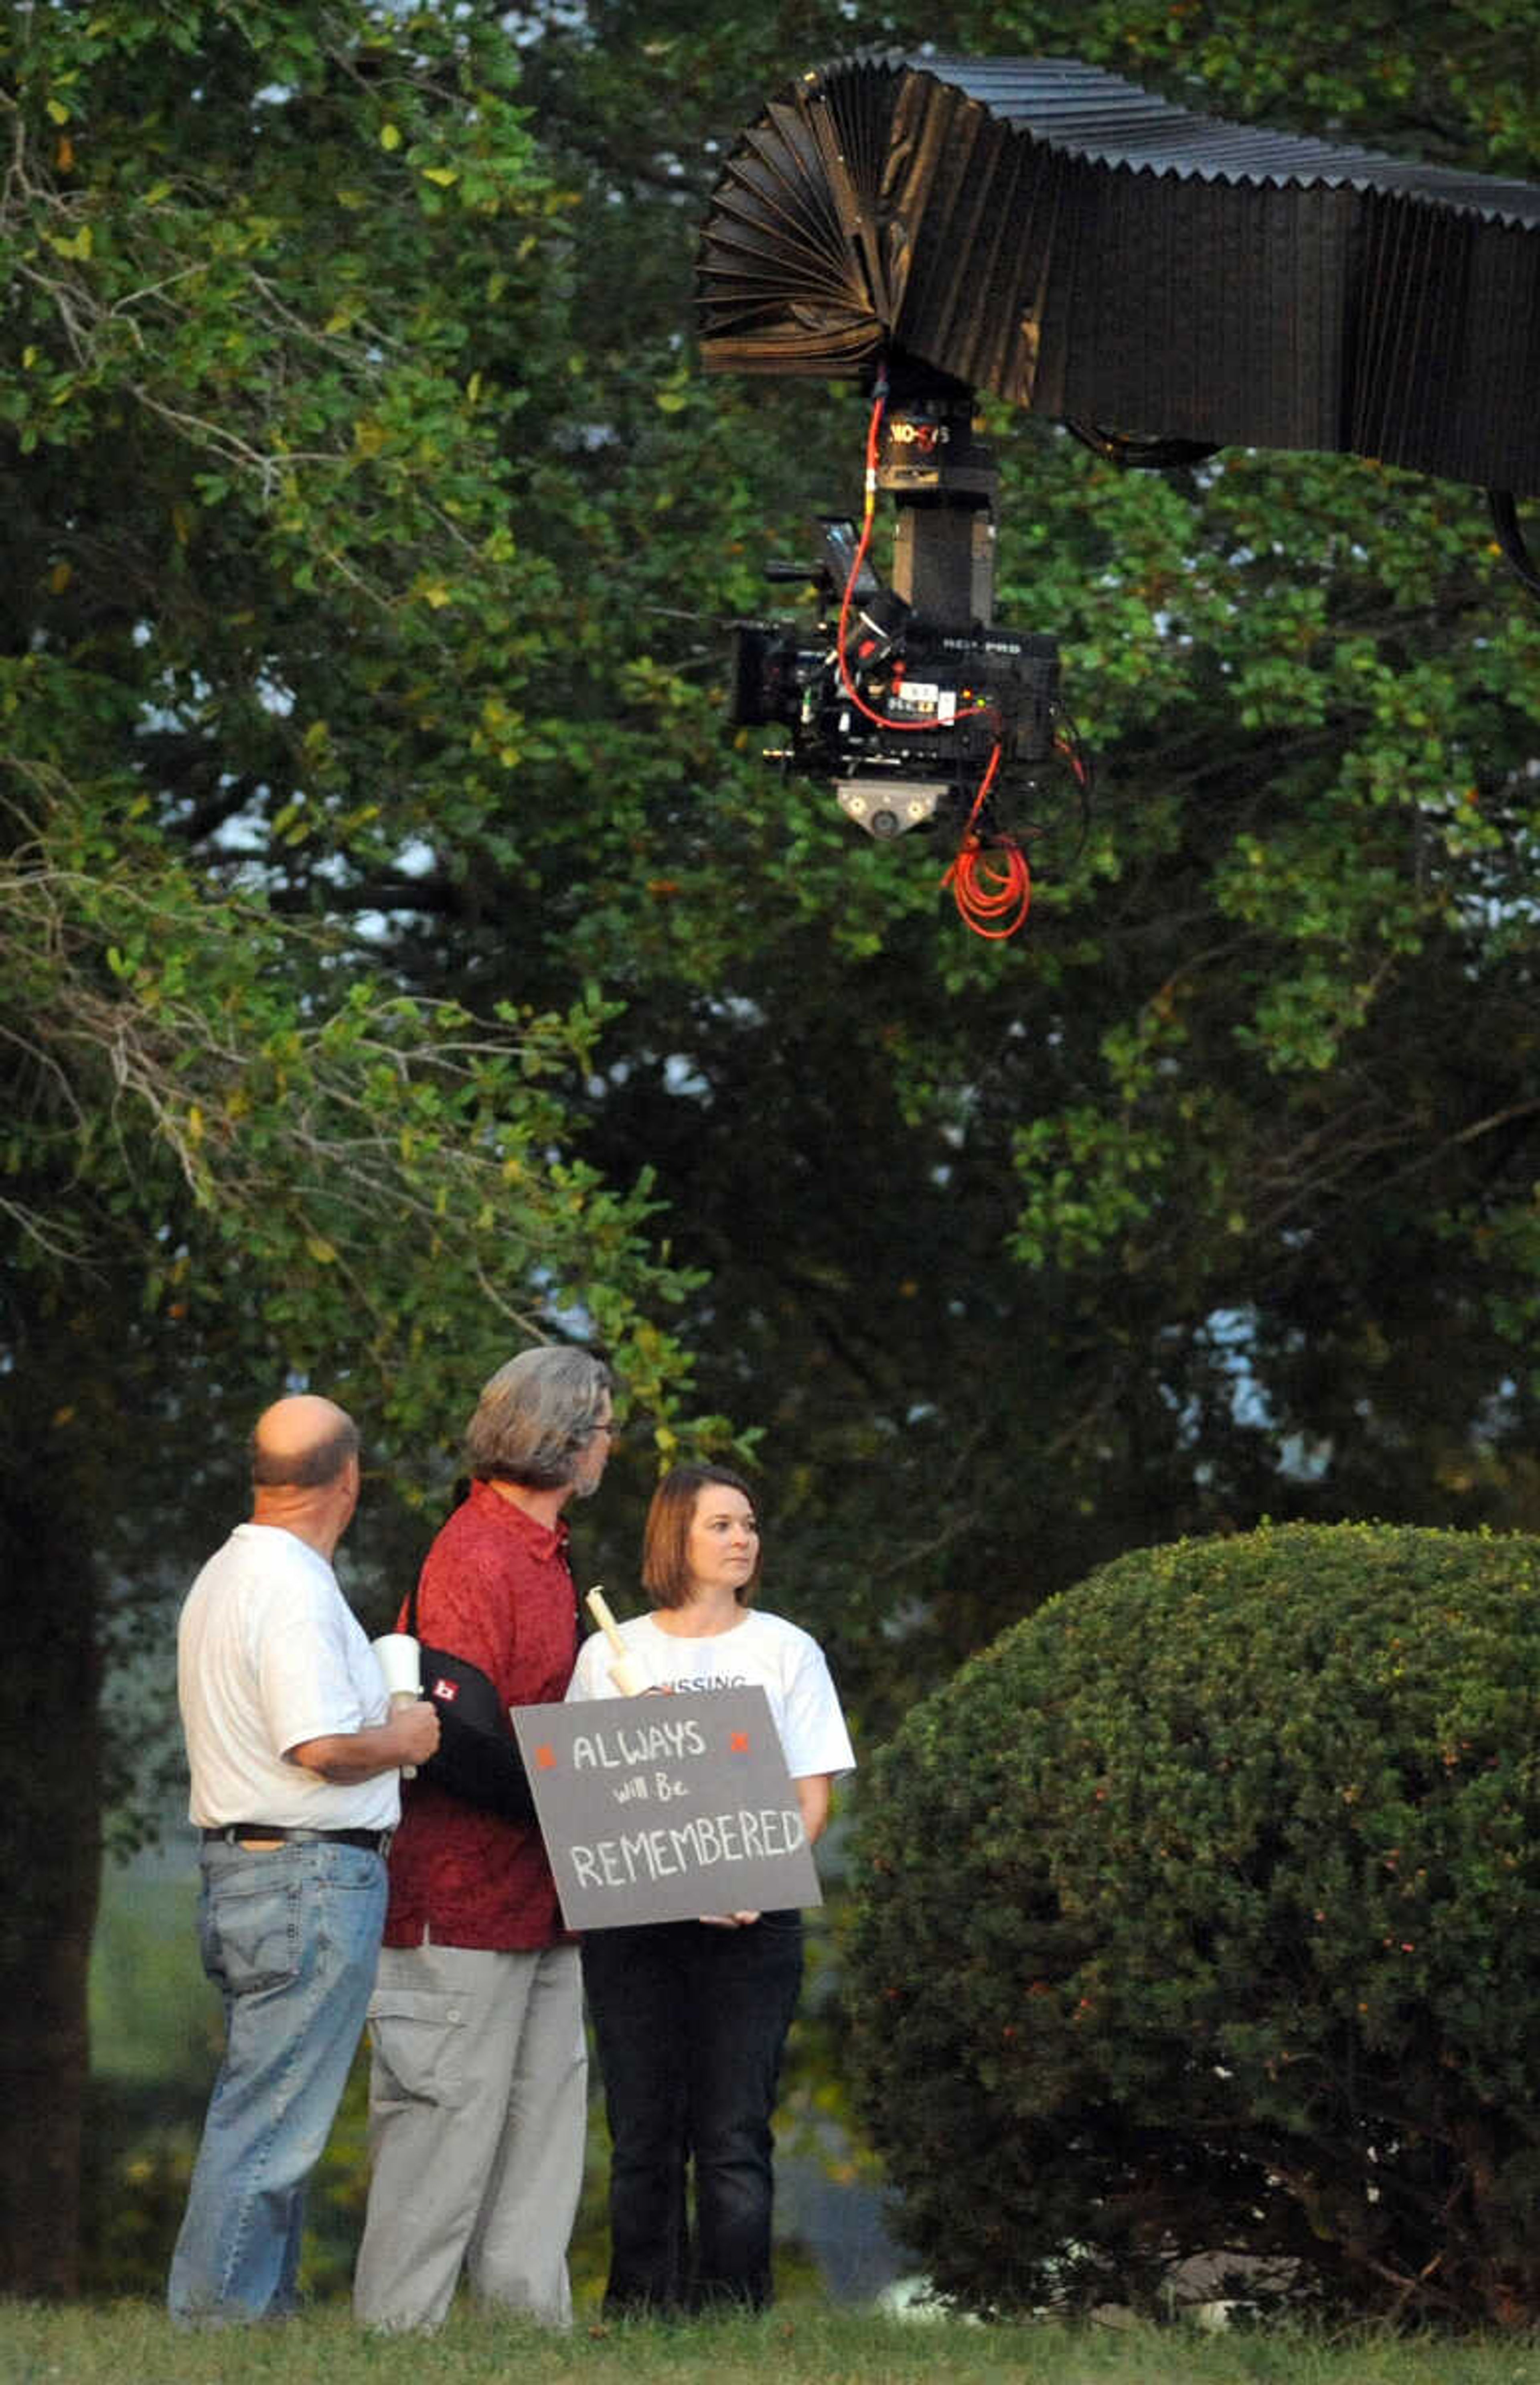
{"x": 376, "y": 1841}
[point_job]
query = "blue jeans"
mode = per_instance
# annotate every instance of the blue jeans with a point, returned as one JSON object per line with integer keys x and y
{"x": 289, "y": 1937}
{"x": 690, "y": 2022}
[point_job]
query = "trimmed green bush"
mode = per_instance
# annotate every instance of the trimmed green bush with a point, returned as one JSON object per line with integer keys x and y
{"x": 1200, "y": 1914}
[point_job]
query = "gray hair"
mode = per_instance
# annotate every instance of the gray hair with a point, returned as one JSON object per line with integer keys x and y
{"x": 536, "y": 1416}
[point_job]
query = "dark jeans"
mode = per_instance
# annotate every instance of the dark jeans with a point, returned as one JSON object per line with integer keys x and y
{"x": 690, "y": 2022}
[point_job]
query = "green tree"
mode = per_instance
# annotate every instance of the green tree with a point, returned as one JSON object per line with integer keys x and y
{"x": 264, "y": 614}
{"x": 1211, "y": 1195}
{"x": 368, "y": 534}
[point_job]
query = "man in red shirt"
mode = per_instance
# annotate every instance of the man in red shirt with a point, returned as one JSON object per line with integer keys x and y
{"x": 477, "y": 2089}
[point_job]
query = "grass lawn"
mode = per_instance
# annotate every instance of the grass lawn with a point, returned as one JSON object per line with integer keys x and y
{"x": 131, "y": 2343}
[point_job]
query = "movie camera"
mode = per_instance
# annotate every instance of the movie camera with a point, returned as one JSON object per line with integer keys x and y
{"x": 918, "y": 707}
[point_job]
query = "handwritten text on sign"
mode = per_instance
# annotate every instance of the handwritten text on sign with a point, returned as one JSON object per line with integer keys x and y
{"x": 655, "y": 1810}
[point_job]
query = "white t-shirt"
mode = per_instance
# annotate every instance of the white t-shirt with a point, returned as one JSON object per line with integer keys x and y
{"x": 783, "y": 1660}
{"x": 269, "y": 1654}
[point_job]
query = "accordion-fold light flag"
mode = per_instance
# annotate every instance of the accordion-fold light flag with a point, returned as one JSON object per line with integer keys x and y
{"x": 1042, "y": 230}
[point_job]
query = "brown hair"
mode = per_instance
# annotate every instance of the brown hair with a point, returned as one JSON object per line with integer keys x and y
{"x": 665, "y": 1542}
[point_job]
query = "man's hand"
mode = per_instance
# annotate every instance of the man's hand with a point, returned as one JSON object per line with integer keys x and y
{"x": 419, "y": 1723}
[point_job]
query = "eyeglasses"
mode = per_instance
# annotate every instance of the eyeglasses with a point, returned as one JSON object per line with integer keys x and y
{"x": 612, "y": 1429}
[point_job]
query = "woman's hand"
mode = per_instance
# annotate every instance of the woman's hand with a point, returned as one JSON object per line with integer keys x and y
{"x": 729, "y": 1920}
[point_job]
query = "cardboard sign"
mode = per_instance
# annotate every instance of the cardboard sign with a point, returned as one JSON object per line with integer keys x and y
{"x": 662, "y": 1808}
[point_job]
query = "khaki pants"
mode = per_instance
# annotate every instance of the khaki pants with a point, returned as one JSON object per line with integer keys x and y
{"x": 478, "y": 2118}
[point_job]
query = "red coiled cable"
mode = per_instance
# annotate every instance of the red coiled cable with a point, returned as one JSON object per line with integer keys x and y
{"x": 982, "y": 893}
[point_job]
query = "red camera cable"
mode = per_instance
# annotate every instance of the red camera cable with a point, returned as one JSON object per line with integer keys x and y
{"x": 982, "y": 893}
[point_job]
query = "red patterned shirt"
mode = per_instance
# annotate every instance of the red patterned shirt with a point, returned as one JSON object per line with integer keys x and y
{"x": 495, "y": 1588}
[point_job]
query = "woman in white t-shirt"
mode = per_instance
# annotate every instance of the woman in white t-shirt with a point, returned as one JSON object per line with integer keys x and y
{"x": 690, "y": 2017}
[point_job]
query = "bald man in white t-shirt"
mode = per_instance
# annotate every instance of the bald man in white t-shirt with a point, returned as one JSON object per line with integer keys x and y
{"x": 295, "y": 1757}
